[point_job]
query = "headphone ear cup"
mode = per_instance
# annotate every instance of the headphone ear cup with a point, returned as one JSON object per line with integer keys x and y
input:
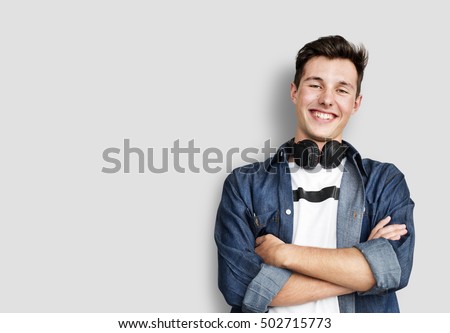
{"x": 333, "y": 153}
{"x": 306, "y": 154}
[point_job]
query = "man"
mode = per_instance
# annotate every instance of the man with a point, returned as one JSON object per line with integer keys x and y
{"x": 317, "y": 228}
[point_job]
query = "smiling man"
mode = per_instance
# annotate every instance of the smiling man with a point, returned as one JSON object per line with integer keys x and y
{"x": 317, "y": 228}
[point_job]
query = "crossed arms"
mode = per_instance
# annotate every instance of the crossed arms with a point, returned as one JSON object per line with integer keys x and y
{"x": 318, "y": 272}
{"x": 279, "y": 274}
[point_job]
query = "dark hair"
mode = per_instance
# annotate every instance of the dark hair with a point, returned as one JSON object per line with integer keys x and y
{"x": 332, "y": 47}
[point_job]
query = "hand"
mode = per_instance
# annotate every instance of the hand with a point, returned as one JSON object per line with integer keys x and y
{"x": 390, "y": 232}
{"x": 269, "y": 248}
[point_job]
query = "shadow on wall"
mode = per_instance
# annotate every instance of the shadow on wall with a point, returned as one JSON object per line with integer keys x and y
{"x": 283, "y": 110}
{"x": 282, "y": 118}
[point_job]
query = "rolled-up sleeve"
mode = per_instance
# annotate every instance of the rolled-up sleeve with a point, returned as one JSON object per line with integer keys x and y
{"x": 384, "y": 264}
{"x": 264, "y": 287}
{"x": 391, "y": 261}
{"x": 245, "y": 281}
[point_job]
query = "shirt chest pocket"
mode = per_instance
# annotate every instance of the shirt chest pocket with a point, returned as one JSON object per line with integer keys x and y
{"x": 265, "y": 223}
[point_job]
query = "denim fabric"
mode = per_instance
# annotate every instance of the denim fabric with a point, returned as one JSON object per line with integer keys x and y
{"x": 257, "y": 200}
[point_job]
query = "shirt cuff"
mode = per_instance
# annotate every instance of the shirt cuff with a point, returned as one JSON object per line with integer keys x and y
{"x": 264, "y": 287}
{"x": 384, "y": 264}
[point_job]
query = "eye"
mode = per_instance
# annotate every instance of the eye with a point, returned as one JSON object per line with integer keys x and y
{"x": 342, "y": 91}
{"x": 316, "y": 86}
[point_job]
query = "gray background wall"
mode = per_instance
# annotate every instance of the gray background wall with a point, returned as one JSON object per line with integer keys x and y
{"x": 81, "y": 76}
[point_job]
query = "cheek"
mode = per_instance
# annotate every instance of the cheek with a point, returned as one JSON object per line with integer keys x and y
{"x": 306, "y": 98}
{"x": 346, "y": 107}
{"x": 345, "y": 117}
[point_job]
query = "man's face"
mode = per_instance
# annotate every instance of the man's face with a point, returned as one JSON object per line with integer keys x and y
{"x": 325, "y": 99}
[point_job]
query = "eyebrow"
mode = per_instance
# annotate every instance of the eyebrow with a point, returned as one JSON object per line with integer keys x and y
{"x": 318, "y": 78}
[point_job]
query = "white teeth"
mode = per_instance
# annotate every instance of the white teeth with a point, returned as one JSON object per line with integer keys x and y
{"x": 325, "y": 116}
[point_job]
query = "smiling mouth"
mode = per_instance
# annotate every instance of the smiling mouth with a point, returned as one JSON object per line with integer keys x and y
{"x": 323, "y": 115}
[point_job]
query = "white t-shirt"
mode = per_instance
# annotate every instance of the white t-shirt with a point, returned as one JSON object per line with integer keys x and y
{"x": 315, "y": 211}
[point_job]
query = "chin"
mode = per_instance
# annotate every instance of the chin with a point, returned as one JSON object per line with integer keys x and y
{"x": 322, "y": 137}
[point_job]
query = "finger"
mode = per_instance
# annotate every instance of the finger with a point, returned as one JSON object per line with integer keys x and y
{"x": 379, "y": 226}
{"x": 394, "y": 228}
{"x": 383, "y": 222}
{"x": 395, "y": 235}
{"x": 392, "y": 234}
{"x": 259, "y": 240}
{"x": 259, "y": 250}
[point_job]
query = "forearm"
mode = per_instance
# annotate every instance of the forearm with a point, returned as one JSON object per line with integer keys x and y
{"x": 344, "y": 267}
{"x": 300, "y": 289}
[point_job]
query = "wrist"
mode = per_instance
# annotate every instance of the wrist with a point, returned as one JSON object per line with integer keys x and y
{"x": 285, "y": 255}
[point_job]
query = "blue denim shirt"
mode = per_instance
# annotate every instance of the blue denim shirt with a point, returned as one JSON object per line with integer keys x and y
{"x": 257, "y": 200}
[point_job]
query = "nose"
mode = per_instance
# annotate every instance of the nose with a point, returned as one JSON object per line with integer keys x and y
{"x": 326, "y": 97}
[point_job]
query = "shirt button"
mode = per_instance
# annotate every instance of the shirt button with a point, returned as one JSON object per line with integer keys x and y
{"x": 288, "y": 211}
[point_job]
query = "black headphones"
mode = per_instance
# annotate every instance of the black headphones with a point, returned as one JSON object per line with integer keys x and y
{"x": 307, "y": 154}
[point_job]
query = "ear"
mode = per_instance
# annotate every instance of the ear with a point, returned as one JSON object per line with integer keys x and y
{"x": 357, "y": 104}
{"x": 294, "y": 92}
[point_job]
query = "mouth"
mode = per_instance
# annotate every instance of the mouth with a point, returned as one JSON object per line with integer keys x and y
{"x": 322, "y": 115}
